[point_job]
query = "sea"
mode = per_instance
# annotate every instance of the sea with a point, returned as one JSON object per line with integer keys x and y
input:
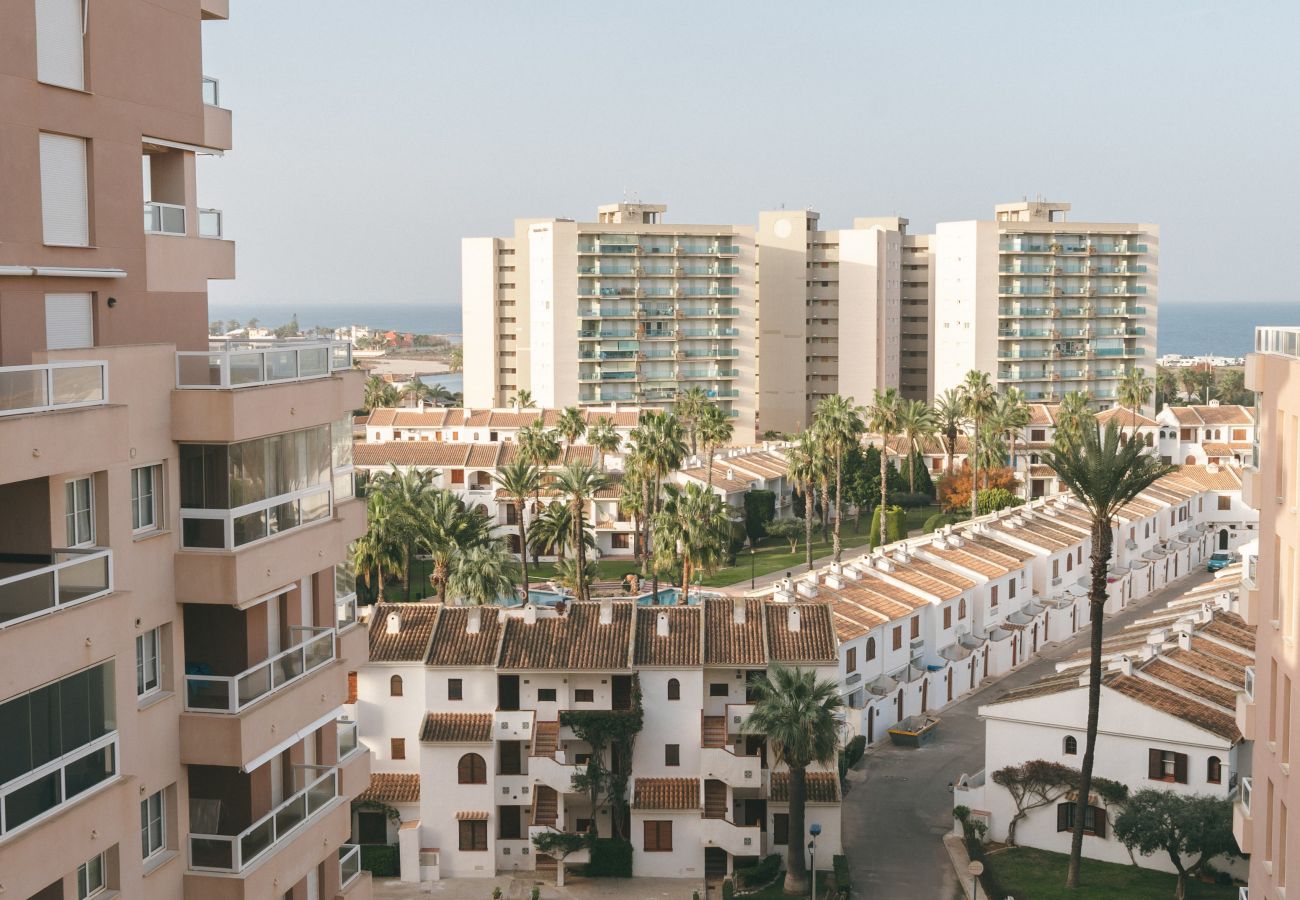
{"x": 1190, "y": 329}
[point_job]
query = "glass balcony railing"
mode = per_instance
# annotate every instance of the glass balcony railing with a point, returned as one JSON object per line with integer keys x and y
{"x": 234, "y": 853}
{"x": 239, "y": 364}
{"x": 232, "y": 694}
{"x": 227, "y": 529}
{"x": 164, "y": 218}
{"x": 348, "y": 741}
{"x": 31, "y": 587}
{"x": 211, "y": 91}
{"x": 51, "y": 386}
{"x": 345, "y": 596}
{"x": 349, "y": 864}
{"x": 211, "y": 223}
{"x": 42, "y": 791}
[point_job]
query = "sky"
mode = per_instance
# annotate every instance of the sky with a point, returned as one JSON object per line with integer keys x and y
{"x": 371, "y": 137}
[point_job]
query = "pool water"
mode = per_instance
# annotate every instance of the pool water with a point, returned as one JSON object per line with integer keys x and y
{"x": 668, "y": 596}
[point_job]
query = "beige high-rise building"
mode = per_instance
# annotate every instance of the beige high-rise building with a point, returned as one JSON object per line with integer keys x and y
{"x": 174, "y": 641}
{"x": 1269, "y": 799}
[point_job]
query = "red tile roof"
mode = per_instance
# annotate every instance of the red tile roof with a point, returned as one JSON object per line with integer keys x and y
{"x": 414, "y": 626}
{"x": 666, "y": 793}
{"x": 576, "y": 640}
{"x": 391, "y": 787}
{"x": 456, "y": 728}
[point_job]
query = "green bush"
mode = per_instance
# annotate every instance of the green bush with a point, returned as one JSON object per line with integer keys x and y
{"x": 912, "y": 501}
{"x": 728, "y": 889}
{"x": 843, "y": 883}
{"x": 854, "y": 749}
{"x": 760, "y": 508}
{"x": 895, "y": 526}
{"x": 610, "y": 858}
{"x": 940, "y": 519}
{"x": 994, "y": 499}
{"x": 760, "y": 874}
{"x": 380, "y": 860}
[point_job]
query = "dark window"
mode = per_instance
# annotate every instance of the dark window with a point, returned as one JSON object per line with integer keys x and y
{"x": 1214, "y": 770}
{"x": 915, "y": 627}
{"x": 718, "y": 689}
{"x": 672, "y": 754}
{"x": 584, "y": 695}
{"x": 508, "y": 758}
{"x": 372, "y": 828}
{"x": 455, "y": 689}
{"x": 473, "y": 835}
{"x": 1069, "y": 563}
{"x": 851, "y": 660}
{"x": 898, "y": 637}
{"x": 781, "y": 828}
{"x": 546, "y": 695}
{"x": 1166, "y": 765}
{"x": 1071, "y": 747}
{"x": 395, "y": 686}
{"x": 1011, "y": 589}
{"x": 674, "y": 689}
{"x": 961, "y": 609}
{"x": 471, "y": 769}
{"x": 993, "y": 596}
{"x": 1094, "y": 819}
{"x": 658, "y": 836}
{"x": 398, "y": 747}
{"x": 871, "y": 649}
{"x": 509, "y": 826}
{"x": 947, "y": 617}
{"x": 583, "y": 825}
{"x": 1225, "y": 502}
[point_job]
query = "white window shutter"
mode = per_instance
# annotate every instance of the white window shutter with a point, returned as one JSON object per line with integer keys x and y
{"x": 64, "y": 189}
{"x": 68, "y": 321}
{"x": 60, "y": 43}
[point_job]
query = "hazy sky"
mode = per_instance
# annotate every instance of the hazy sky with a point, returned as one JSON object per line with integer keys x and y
{"x": 370, "y": 137}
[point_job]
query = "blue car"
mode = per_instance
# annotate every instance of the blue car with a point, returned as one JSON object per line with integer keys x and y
{"x": 1218, "y": 561}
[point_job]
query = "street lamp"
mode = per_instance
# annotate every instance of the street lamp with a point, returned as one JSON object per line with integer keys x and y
{"x": 751, "y": 565}
{"x": 814, "y": 829}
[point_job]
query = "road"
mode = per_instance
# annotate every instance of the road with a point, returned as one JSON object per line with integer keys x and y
{"x": 899, "y": 806}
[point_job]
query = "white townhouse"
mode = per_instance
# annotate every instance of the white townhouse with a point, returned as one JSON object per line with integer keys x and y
{"x": 469, "y": 712}
{"x": 1039, "y": 436}
{"x": 739, "y": 470}
{"x": 460, "y": 425}
{"x": 1214, "y": 433}
{"x": 1169, "y": 720}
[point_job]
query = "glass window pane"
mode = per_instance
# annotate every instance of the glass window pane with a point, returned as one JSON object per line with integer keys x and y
{"x": 16, "y": 749}
{"x": 251, "y": 527}
{"x": 89, "y": 771}
{"x": 31, "y": 800}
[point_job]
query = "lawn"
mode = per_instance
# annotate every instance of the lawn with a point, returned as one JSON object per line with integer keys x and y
{"x": 774, "y": 892}
{"x": 1039, "y": 875}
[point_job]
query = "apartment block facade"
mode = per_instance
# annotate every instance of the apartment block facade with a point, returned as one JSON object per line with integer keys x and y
{"x": 174, "y": 635}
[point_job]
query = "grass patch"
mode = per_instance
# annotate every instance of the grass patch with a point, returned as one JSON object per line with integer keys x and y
{"x": 825, "y": 880}
{"x": 1040, "y": 875}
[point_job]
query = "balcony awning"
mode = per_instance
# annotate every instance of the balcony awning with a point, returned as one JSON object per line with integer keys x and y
{"x": 289, "y": 741}
{"x": 471, "y": 815}
{"x": 62, "y": 272}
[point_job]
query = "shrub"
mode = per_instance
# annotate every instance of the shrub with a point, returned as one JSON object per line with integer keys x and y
{"x": 380, "y": 860}
{"x": 854, "y": 749}
{"x": 895, "y": 526}
{"x": 535, "y": 893}
{"x": 954, "y": 491}
{"x": 843, "y": 883}
{"x": 938, "y": 520}
{"x": 728, "y": 889}
{"x": 763, "y": 873}
{"x": 911, "y": 501}
{"x": 610, "y": 858}
{"x": 760, "y": 508}
{"x": 994, "y": 499}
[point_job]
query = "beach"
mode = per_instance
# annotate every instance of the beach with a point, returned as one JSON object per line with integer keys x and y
{"x": 404, "y": 368}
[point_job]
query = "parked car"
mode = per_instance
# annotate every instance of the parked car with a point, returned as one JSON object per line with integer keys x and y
{"x": 1218, "y": 561}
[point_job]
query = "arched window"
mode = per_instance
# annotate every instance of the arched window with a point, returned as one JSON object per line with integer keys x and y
{"x": 961, "y": 609}
{"x": 1071, "y": 746}
{"x": 395, "y": 686}
{"x": 1214, "y": 770}
{"x": 871, "y": 649}
{"x": 1151, "y": 442}
{"x": 471, "y": 770}
{"x": 674, "y": 689}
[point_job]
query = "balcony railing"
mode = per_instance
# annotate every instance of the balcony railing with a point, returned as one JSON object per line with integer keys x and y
{"x": 50, "y": 386}
{"x": 232, "y": 694}
{"x": 347, "y": 737}
{"x": 70, "y": 577}
{"x": 37, "y": 794}
{"x": 164, "y": 218}
{"x": 1250, "y": 683}
{"x": 211, "y": 223}
{"x": 349, "y": 864}
{"x": 237, "y": 364}
{"x": 1245, "y": 788}
{"x": 227, "y": 529}
{"x": 234, "y": 853}
{"x": 211, "y": 91}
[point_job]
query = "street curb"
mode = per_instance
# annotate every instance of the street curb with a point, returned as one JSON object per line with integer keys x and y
{"x": 960, "y": 862}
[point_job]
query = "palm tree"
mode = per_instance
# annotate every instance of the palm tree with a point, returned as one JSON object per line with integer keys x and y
{"x": 1134, "y": 391}
{"x": 574, "y": 576}
{"x": 883, "y": 417}
{"x": 481, "y": 575}
{"x": 714, "y": 430}
{"x": 804, "y": 466}
{"x": 661, "y": 446}
{"x": 571, "y": 425}
{"x": 838, "y": 424}
{"x": 631, "y": 499}
{"x": 409, "y": 494}
{"x": 447, "y": 528}
{"x": 950, "y": 416}
{"x": 540, "y": 446}
{"x": 689, "y": 407}
{"x": 1203, "y": 379}
{"x": 1103, "y": 475}
{"x": 978, "y": 398}
{"x": 604, "y": 437}
{"x": 519, "y": 479}
{"x": 456, "y": 359}
{"x": 1166, "y": 385}
{"x": 551, "y": 533}
{"x": 375, "y": 555}
{"x": 1073, "y": 417}
{"x": 917, "y": 423}
{"x": 1012, "y": 415}
{"x": 800, "y": 715}
{"x": 580, "y": 482}
{"x": 379, "y": 393}
{"x": 691, "y": 530}
{"x": 1187, "y": 377}
{"x": 524, "y": 399}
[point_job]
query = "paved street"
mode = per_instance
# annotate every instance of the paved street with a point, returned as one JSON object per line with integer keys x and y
{"x": 899, "y": 805}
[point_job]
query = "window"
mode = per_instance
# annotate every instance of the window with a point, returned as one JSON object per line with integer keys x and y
{"x": 152, "y": 825}
{"x": 781, "y": 828}
{"x": 546, "y": 695}
{"x": 148, "y": 667}
{"x": 1166, "y": 765}
{"x": 91, "y": 877}
{"x": 915, "y": 627}
{"x": 1069, "y": 564}
{"x": 1011, "y": 589}
{"x": 60, "y": 43}
{"x": 144, "y": 501}
{"x": 1094, "y": 819}
{"x": 993, "y": 596}
{"x": 897, "y": 641}
{"x": 79, "y": 512}
{"x": 455, "y": 689}
{"x": 947, "y": 617}
{"x": 871, "y": 649}
{"x": 584, "y": 695}
{"x": 1225, "y": 502}
{"x": 1038, "y": 435}
{"x": 64, "y": 190}
{"x": 395, "y": 686}
{"x": 674, "y": 689}
{"x": 851, "y": 660}
{"x": 658, "y": 836}
{"x": 372, "y": 828}
{"x": 672, "y": 754}
{"x": 69, "y": 323}
{"x": 718, "y": 689}
{"x": 961, "y": 609}
{"x": 1214, "y": 770}
{"x": 397, "y": 748}
{"x": 620, "y": 540}
{"x": 1071, "y": 746}
{"x": 471, "y": 770}
{"x": 508, "y": 823}
{"x": 473, "y": 835}
{"x": 1079, "y": 553}
{"x": 457, "y": 476}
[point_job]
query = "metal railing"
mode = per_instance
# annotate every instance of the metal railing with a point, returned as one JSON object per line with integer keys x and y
{"x": 234, "y": 853}
{"x": 228, "y": 529}
{"x": 349, "y": 864}
{"x": 38, "y": 794}
{"x": 71, "y": 577}
{"x": 347, "y": 737}
{"x": 1278, "y": 341}
{"x": 164, "y": 218}
{"x": 232, "y": 694}
{"x": 236, "y": 364}
{"x": 49, "y": 386}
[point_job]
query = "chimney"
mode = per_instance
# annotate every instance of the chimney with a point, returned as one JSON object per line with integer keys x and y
{"x": 834, "y": 581}
{"x": 420, "y": 405}
{"x": 394, "y": 623}
{"x": 1184, "y": 640}
{"x": 474, "y": 622}
{"x": 792, "y": 619}
{"x": 1212, "y": 468}
{"x": 1125, "y": 665}
{"x": 808, "y": 585}
{"x": 530, "y": 614}
{"x": 661, "y": 624}
{"x": 738, "y": 609}
{"x": 606, "y": 611}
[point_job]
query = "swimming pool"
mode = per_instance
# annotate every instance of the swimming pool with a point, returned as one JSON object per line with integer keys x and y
{"x": 668, "y": 596}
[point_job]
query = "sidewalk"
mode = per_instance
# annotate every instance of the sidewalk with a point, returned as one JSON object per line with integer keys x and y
{"x": 518, "y": 887}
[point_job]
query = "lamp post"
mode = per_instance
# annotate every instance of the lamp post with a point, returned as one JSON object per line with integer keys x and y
{"x": 751, "y": 565}
{"x": 814, "y": 829}
{"x": 976, "y": 869}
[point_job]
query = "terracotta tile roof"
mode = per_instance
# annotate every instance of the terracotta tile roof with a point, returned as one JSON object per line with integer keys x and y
{"x": 971, "y": 560}
{"x": 911, "y": 574}
{"x": 451, "y": 454}
{"x": 576, "y": 640}
{"x": 1038, "y": 470}
{"x": 728, "y": 643}
{"x": 472, "y": 815}
{"x": 682, "y": 646}
{"x": 1051, "y": 684}
{"x": 1213, "y": 415}
{"x": 1228, "y": 655}
{"x": 415, "y": 625}
{"x": 813, "y": 642}
{"x": 1242, "y": 638}
{"x": 391, "y": 787}
{"x": 858, "y": 607}
{"x": 453, "y": 645}
{"x": 992, "y": 544}
{"x": 1030, "y": 534}
{"x": 1124, "y": 414}
{"x": 743, "y": 482}
{"x": 456, "y": 728}
{"x": 819, "y": 787}
{"x": 939, "y": 573}
{"x": 1165, "y": 700}
{"x": 1201, "y": 687}
{"x": 1225, "y": 479}
{"x": 1042, "y": 415}
{"x": 666, "y": 793}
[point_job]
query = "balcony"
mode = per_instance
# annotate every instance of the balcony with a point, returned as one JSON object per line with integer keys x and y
{"x": 38, "y": 794}
{"x": 216, "y": 118}
{"x": 1242, "y": 826}
{"x": 737, "y": 713}
{"x": 353, "y": 760}
{"x": 354, "y": 882}
{"x": 1245, "y": 713}
{"x": 244, "y": 364}
{"x": 737, "y": 771}
{"x": 232, "y": 694}
{"x": 554, "y": 773}
{"x": 736, "y": 839}
{"x": 34, "y": 587}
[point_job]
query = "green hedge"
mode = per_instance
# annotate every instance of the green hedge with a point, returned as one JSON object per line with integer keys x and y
{"x": 760, "y": 874}
{"x": 938, "y": 520}
{"x": 843, "y": 883}
{"x": 610, "y": 858}
{"x": 380, "y": 860}
{"x": 895, "y": 526}
{"x": 728, "y": 889}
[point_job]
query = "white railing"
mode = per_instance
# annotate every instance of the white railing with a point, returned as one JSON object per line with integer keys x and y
{"x": 164, "y": 218}
{"x": 349, "y": 864}
{"x": 235, "y": 364}
{"x": 348, "y": 741}
{"x": 211, "y": 223}
{"x": 67, "y": 779}
{"x": 49, "y": 386}
{"x": 1245, "y": 788}
{"x": 1250, "y": 683}
{"x": 211, "y": 91}
{"x": 234, "y": 853}
{"x": 232, "y": 694}
{"x": 345, "y": 611}
{"x": 72, "y": 577}
{"x": 254, "y": 521}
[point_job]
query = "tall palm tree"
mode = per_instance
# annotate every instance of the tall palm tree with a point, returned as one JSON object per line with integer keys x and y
{"x": 883, "y": 417}
{"x": 800, "y": 715}
{"x": 376, "y": 555}
{"x": 978, "y": 398}
{"x": 950, "y": 415}
{"x": 661, "y": 447}
{"x": 689, "y": 407}
{"x": 604, "y": 437}
{"x": 1187, "y": 378}
{"x": 631, "y": 499}
{"x": 691, "y": 530}
{"x": 1166, "y": 385}
{"x": 1073, "y": 417}
{"x": 551, "y": 533}
{"x": 838, "y": 423}
{"x": 1012, "y": 415}
{"x": 574, "y": 576}
{"x": 571, "y": 425}
{"x": 432, "y": 394}
{"x": 524, "y": 399}
{"x": 917, "y": 423}
{"x": 520, "y": 479}
{"x": 1103, "y": 475}
{"x": 580, "y": 482}
{"x": 456, "y": 359}
{"x": 409, "y": 494}
{"x": 540, "y": 446}
{"x": 448, "y": 527}
{"x": 1135, "y": 390}
{"x": 481, "y": 575}
{"x": 714, "y": 430}
{"x": 804, "y": 466}
{"x": 379, "y": 393}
